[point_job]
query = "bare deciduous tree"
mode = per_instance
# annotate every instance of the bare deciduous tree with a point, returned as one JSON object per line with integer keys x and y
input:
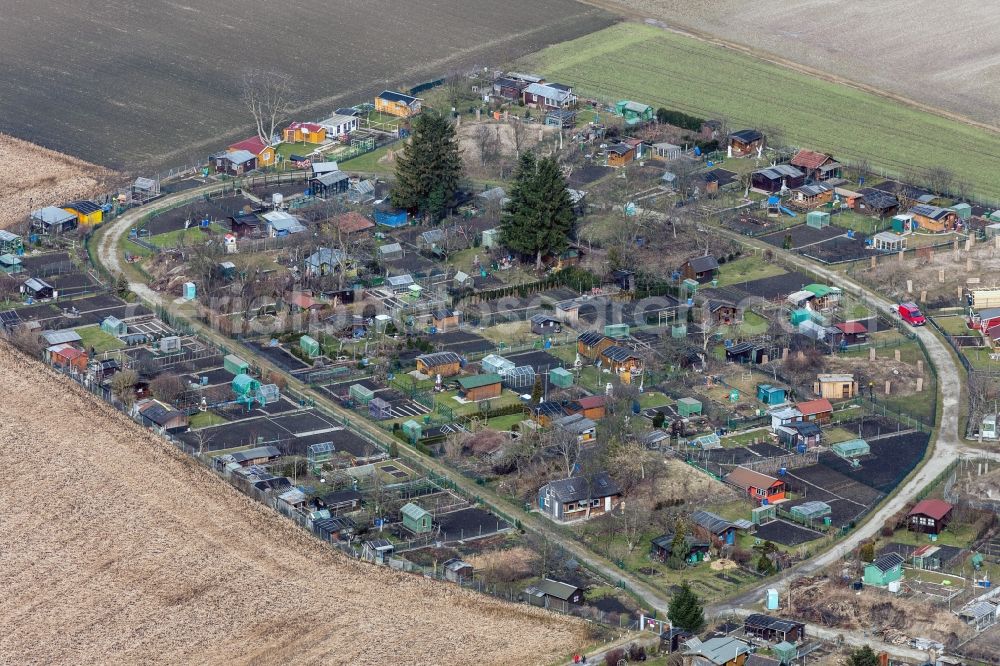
{"x": 267, "y": 95}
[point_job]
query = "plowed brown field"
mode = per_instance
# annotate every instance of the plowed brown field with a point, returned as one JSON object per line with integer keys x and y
{"x": 115, "y": 548}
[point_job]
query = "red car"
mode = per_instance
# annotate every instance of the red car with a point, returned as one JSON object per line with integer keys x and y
{"x": 911, "y": 314}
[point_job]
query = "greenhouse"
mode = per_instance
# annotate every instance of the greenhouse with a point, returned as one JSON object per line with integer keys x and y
{"x": 519, "y": 378}
{"x": 854, "y": 448}
{"x": 498, "y": 365}
{"x": 688, "y": 407}
{"x": 361, "y": 394}
{"x": 245, "y": 386}
{"x": 813, "y": 510}
{"x": 380, "y": 409}
{"x": 413, "y": 431}
{"x": 318, "y": 453}
{"x": 268, "y": 394}
{"x": 706, "y": 442}
{"x": 309, "y": 346}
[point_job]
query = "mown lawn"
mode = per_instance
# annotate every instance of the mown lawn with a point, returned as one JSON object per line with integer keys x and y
{"x": 651, "y": 65}
{"x": 101, "y": 341}
{"x": 746, "y": 269}
{"x": 191, "y": 236}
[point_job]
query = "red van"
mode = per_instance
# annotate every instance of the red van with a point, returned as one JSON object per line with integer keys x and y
{"x": 911, "y": 314}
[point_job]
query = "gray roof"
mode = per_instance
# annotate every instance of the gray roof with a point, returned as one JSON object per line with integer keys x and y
{"x": 780, "y": 171}
{"x": 575, "y": 423}
{"x": 553, "y": 588}
{"x": 439, "y": 358}
{"x": 61, "y": 337}
{"x": 256, "y": 452}
{"x": 577, "y": 488}
{"x": 494, "y": 194}
{"x": 390, "y": 248}
{"x": 978, "y": 610}
{"x": 326, "y": 256}
{"x": 557, "y": 95}
{"x": 239, "y": 156}
{"x": 331, "y": 177}
{"x": 320, "y": 168}
{"x": 363, "y": 187}
{"x": 7, "y": 236}
{"x": 404, "y": 280}
{"x": 282, "y": 221}
{"x": 703, "y": 263}
{"x": 379, "y": 544}
{"x": 709, "y": 521}
{"x": 414, "y": 511}
{"x": 37, "y": 284}
{"x": 433, "y": 236}
{"x": 52, "y": 215}
{"x": 720, "y": 650}
{"x": 887, "y": 562}
{"x": 933, "y": 212}
{"x": 542, "y": 319}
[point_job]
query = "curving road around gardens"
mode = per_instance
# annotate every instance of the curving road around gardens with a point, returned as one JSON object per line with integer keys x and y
{"x": 945, "y": 446}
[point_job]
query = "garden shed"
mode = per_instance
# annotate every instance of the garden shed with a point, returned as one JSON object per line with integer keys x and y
{"x": 813, "y": 510}
{"x": 361, "y": 394}
{"x": 309, "y": 346}
{"x": 706, "y": 442}
{"x": 412, "y": 430}
{"x": 887, "y": 241}
{"x": 688, "y": 407}
{"x": 561, "y": 377}
{"x": 886, "y": 569}
{"x": 380, "y": 409}
{"x": 416, "y": 519}
{"x": 770, "y": 395}
{"x": 521, "y": 377}
{"x": 496, "y": 364}
{"x": 481, "y": 387}
{"x": 235, "y": 365}
{"x": 852, "y": 448}
{"x": 245, "y": 386}
{"x": 114, "y": 326}
{"x": 817, "y": 219}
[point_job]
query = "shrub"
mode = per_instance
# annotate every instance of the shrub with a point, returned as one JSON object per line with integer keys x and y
{"x": 612, "y": 657}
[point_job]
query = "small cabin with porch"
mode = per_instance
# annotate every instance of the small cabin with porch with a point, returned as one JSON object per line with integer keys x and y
{"x": 590, "y": 344}
{"x": 756, "y": 485}
{"x": 702, "y": 269}
{"x": 579, "y": 497}
{"x": 543, "y": 324}
{"x": 929, "y": 516}
{"x": 397, "y": 104}
{"x": 745, "y": 143}
{"x": 816, "y": 166}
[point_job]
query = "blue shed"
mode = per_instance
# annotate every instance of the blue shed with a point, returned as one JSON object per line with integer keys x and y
{"x": 390, "y": 217}
{"x": 770, "y": 395}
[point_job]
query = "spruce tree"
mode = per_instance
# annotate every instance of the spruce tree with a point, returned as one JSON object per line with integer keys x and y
{"x": 539, "y": 217}
{"x": 537, "y": 390}
{"x": 685, "y": 610}
{"x": 430, "y": 168}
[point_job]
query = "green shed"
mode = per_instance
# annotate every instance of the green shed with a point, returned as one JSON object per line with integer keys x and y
{"x": 817, "y": 219}
{"x": 964, "y": 210}
{"x": 416, "y": 519}
{"x": 884, "y": 570}
{"x": 245, "y": 385}
{"x": 235, "y": 365}
{"x": 785, "y": 652}
{"x": 412, "y": 430}
{"x": 561, "y": 377}
{"x": 770, "y": 395}
{"x": 818, "y": 290}
{"x": 688, "y": 407}
{"x": 634, "y": 112}
{"x": 309, "y": 346}
{"x": 361, "y": 394}
{"x": 799, "y": 316}
{"x": 852, "y": 448}
{"x": 679, "y": 331}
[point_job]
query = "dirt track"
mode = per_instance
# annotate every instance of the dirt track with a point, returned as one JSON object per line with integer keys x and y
{"x": 118, "y": 549}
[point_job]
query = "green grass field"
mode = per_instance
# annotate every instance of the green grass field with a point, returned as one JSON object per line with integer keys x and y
{"x": 191, "y": 236}
{"x": 746, "y": 269}
{"x": 651, "y": 65}
{"x": 100, "y": 341}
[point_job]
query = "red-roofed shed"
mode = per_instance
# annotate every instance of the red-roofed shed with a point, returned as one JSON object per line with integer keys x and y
{"x": 929, "y": 516}
{"x": 592, "y": 407}
{"x": 816, "y": 410}
{"x": 854, "y": 331}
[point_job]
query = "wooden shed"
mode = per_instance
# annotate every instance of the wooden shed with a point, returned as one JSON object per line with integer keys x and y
{"x": 397, "y": 104}
{"x": 481, "y": 387}
{"x": 446, "y": 364}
